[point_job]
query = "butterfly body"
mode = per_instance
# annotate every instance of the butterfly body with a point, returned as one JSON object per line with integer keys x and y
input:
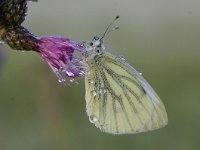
{"x": 118, "y": 98}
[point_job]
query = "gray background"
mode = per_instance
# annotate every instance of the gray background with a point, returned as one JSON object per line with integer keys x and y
{"x": 159, "y": 38}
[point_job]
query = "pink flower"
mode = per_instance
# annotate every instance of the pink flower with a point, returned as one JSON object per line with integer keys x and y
{"x": 63, "y": 56}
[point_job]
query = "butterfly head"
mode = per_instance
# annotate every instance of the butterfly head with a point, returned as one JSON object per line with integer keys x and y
{"x": 94, "y": 47}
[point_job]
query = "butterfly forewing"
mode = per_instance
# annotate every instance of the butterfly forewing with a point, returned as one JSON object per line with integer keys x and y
{"x": 119, "y": 100}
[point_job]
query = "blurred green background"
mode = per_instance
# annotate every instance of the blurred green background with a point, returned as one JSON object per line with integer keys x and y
{"x": 161, "y": 39}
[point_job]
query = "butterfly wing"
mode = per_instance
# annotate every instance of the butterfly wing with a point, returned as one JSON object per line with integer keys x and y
{"x": 119, "y": 100}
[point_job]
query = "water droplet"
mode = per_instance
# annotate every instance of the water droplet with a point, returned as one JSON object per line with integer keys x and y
{"x": 102, "y": 91}
{"x": 61, "y": 80}
{"x": 1, "y": 42}
{"x": 61, "y": 68}
{"x": 93, "y": 118}
{"x": 91, "y": 81}
{"x": 70, "y": 74}
{"x": 93, "y": 93}
{"x": 122, "y": 57}
{"x": 82, "y": 73}
{"x": 71, "y": 80}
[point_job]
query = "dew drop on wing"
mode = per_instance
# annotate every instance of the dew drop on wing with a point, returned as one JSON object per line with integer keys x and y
{"x": 102, "y": 91}
{"x": 88, "y": 73}
{"x": 91, "y": 81}
{"x": 93, "y": 93}
{"x": 93, "y": 118}
{"x": 121, "y": 57}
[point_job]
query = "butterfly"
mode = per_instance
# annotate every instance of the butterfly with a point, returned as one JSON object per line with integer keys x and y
{"x": 118, "y": 99}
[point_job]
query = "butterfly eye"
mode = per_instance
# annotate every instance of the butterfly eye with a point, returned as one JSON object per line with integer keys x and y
{"x": 91, "y": 44}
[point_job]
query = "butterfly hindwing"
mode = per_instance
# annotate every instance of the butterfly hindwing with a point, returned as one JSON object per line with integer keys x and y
{"x": 119, "y": 100}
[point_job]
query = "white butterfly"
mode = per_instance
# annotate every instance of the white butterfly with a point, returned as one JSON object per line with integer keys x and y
{"x": 118, "y": 99}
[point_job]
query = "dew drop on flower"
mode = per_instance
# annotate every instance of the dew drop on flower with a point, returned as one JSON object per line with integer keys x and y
{"x": 82, "y": 73}
{"x": 61, "y": 80}
{"x": 63, "y": 56}
{"x": 1, "y": 42}
{"x": 71, "y": 80}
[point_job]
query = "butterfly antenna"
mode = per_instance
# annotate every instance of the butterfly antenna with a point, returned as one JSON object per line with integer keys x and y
{"x": 109, "y": 26}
